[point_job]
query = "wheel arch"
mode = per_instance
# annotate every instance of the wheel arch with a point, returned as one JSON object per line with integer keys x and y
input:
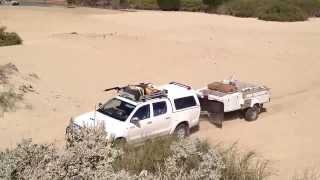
{"x": 178, "y": 124}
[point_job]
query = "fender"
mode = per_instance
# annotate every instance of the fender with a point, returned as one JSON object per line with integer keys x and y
{"x": 177, "y": 123}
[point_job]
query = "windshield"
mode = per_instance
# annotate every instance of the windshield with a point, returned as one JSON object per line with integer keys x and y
{"x": 117, "y": 109}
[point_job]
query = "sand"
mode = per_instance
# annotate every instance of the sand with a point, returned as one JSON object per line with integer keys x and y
{"x": 117, "y": 48}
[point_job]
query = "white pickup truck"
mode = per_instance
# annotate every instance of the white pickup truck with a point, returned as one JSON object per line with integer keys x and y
{"x": 143, "y": 111}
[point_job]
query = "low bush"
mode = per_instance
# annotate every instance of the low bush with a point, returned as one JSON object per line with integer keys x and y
{"x": 9, "y": 38}
{"x": 214, "y": 4}
{"x": 239, "y": 8}
{"x": 92, "y": 157}
{"x": 271, "y": 10}
{"x": 143, "y": 4}
{"x": 192, "y": 5}
{"x": 276, "y": 10}
{"x": 146, "y": 157}
{"x": 169, "y": 5}
{"x": 310, "y": 7}
{"x": 8, "y": 100}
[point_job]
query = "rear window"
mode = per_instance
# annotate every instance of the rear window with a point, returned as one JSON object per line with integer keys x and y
{"x": 185, "y": 102}
{"x": 159, "y": 108}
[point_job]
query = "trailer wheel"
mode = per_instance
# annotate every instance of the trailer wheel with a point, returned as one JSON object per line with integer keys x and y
{"x": 251, "y": 114}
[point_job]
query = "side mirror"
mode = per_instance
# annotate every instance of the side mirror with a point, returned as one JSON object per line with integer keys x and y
{"x": 100, "y": 105}
{"x": 135, "y": 120}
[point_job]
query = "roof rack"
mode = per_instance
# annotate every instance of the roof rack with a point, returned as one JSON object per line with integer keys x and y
{"x": 158, "y": 94}
{"x": 181, "y": 85}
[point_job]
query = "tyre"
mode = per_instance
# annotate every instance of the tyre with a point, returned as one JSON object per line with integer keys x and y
{"x": 251, "y": 114}
{"x": 120, "y": 141}
{"x": 181, "y": 131}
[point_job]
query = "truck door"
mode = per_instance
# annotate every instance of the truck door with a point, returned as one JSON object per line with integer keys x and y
{"x": 161, "y": 120}
{"x": 140, "y": 128}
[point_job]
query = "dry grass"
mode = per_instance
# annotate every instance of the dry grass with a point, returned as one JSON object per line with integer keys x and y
{"x": 92, "y": 156}
{"x": 244, "y": 165}
{"x": 308, "y": 174}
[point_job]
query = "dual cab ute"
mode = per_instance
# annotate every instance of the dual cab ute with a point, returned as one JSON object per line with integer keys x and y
{"x": 141, "y": 112}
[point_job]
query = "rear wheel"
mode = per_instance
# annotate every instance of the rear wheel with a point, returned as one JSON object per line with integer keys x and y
{"x": 181, "y": 131}
{"x": 251, "y": 114}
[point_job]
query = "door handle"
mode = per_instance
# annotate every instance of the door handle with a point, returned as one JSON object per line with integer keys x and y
{"x": 149, "y": 122}
{"x": 168, "y": 118}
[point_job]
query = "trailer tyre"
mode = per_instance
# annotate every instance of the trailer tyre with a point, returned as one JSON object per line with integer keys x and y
{"x": 251, "y": 114}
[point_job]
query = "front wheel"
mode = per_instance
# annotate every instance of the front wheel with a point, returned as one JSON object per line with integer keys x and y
{"x": 181, "y": 131}
{"x": 251, "y": 114}
{"x": 120, "y": 142}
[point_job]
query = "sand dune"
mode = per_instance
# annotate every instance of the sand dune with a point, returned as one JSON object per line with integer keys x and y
{"x": 116, "y": 48}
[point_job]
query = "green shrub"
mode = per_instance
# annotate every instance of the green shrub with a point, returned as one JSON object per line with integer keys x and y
{"x": 124, "y": 3}
{"x": 71, "y": 2}
{"x": 311, "y": 7}
{"x": 115, "y": 4}
{"x": 144, "y": 4}
{"x": 239, "y": 8}
{"x": 213, "y": 4}
{"x": 192, "y": 5}
{"x": 276, "y": 10}
{"x": 9, "y": 38}
{"x": 169, "y": 5}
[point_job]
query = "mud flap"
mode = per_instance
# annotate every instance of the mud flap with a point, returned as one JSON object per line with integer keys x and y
{"x": 214, "y": 110}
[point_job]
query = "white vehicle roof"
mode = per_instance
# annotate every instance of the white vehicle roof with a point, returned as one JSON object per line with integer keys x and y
{"x": 128, "y": 100}
{"x": 175, "y": 91}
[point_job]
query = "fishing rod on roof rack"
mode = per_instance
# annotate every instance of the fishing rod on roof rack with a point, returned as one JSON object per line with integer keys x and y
{"x": 139, "y": 92}
{"x": 118, "y": 88}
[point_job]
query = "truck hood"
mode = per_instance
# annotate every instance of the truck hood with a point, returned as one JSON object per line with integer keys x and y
{"x": 94, "y": 118}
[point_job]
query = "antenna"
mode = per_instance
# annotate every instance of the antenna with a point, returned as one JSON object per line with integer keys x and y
{"x": 231, "y": 78}
{"x": 94, "y": 115}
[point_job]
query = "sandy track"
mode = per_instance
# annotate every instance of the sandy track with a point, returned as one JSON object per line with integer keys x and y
{"x": 112, "y": 48}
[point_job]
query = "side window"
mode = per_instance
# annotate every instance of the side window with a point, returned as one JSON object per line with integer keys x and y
{"x": 159, "y": 108}
{"x": 184, "y": 102}
{"x": 142, "y": 113}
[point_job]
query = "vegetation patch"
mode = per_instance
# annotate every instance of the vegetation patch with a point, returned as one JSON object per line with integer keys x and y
{"x": 270, "y": 10}
{"x": 192, "y": 5}
{"x": 13, "y": 86}
{"x": 169, "y": 5}
{"x": 8, "y": 100}
{"x": 244, "y": 165}
{"x": 281, "y": 11}
{"x": 143, "y": 4}
{"x": 240, "y": 8}
{"x": 93, "y": 157}
{"x": 9, "y": 38}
